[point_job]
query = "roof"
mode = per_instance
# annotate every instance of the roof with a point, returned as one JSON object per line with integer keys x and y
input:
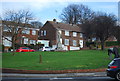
{"x": 18, "y": 24}
{"x": 64, "y": 26}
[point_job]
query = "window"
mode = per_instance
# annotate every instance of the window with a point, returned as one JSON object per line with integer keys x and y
{"x": 26, "y": 31}
{"x": 74, "y": 34}
{"x": 66, "y": 41}
{"x": 6, "y": 42}
{"x": 25, "y": 40}
{"x": 32, "y": 42}
{"x": 41, "y": 33}
{"x": 6, "y": 29}
{"x": 81, "y": 35}
{"x": 45, "y": 33}
{"x": 74, "y": 43}
{"x": 33, "y": 32}
{"x": 66, "y": 33}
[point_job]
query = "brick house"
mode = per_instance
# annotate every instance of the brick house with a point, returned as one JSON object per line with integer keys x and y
{"x": 26, "y": 34}
{"x": 70, "y": 36}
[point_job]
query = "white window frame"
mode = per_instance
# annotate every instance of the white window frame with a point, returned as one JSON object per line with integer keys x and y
{"x": 33, "y": 32}
{"x": 41, "y": 32}
{"x": 74, "y": 34}
{"x": 66, "y": 42}
{"x": 6, "y": 42}
{"x": 25, "y": 40}
{"x": 74, "y": 43}
{"x": 26, "y": 31}
{"x": 33, "y": 42}
{"x": 66, "y": 33}
{"x": 6, "y": 29}
{"x": 45, "y": 32}
{"x": 81, "y": 35}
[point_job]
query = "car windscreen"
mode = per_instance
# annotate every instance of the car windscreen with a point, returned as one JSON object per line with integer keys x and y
{"x": 25, "y": 48}
{"x": 47, "y": 47}
{"x": 114, "y": 62}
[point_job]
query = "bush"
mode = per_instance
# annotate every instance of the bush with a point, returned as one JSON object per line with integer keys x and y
{"x": 112, "y": 43}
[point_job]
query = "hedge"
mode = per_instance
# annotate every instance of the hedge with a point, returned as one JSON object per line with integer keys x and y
{"x": 112, "y": 43}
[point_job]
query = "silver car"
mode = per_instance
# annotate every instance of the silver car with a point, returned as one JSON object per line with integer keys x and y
{"x": 46, "y": 49}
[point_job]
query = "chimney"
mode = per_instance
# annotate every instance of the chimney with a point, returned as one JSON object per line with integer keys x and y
{"x": 54, "y": 20}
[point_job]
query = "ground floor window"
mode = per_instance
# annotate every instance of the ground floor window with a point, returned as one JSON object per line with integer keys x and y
{"x": 74, "y": 43}
{"x": 66, "y": 41}
{"x": 25, "y": 40}
{"x": 33, "y": 42}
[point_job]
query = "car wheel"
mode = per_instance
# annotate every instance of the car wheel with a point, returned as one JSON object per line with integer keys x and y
{"x": 118, "y": 76}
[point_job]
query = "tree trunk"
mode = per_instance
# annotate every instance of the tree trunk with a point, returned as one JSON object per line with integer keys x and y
{"x": 102, "y": 45}
{"x": 13, "y": 46}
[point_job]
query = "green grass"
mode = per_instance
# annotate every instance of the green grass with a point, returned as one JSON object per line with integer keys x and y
{"x": 83, "y": 59}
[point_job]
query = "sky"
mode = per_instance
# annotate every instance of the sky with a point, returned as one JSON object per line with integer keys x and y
{"x": 44, "y": 10}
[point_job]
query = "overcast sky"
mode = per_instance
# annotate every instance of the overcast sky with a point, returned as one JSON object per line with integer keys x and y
{"x": 44, "y": 10}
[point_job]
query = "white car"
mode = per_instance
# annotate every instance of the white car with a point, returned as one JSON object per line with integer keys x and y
{"x": 46, "y": 49}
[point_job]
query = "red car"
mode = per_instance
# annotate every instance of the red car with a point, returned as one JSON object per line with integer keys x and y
{"x": 25, "y": 49}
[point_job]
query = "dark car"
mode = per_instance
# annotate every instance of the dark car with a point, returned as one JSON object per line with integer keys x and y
{"x": 113, "y": 70}
{"x": 25, "y": 49}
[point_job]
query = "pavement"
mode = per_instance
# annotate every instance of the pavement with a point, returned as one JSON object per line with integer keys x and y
{"x": 95, "y": 74}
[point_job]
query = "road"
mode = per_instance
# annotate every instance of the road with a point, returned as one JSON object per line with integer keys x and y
{"x": 59, "y": 79}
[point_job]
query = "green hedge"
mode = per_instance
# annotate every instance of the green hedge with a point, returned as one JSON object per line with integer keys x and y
{"x": 112, "y": 43}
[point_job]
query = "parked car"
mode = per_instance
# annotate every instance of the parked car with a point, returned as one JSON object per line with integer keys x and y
{"x": 113, "y": 70}
{"x": 25, "y": 49}
{"x": 46, "y": 49}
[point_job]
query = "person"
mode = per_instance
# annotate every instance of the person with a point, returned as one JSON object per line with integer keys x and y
{"x": 114, "y": 51}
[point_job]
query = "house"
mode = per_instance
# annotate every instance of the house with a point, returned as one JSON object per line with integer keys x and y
{"x": 61, "y": 35}
{"x": 112, "y": 38}
{"x": 26, "y": 34}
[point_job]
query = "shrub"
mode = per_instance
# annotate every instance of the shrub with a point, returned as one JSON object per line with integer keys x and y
{"x": 112, "y": 43}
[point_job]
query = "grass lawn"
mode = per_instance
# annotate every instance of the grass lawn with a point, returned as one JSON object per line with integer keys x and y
{"x": 83, "y": 59}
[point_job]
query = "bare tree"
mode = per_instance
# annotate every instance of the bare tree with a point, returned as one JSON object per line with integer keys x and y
{"x": 76, "y": 14}
{"x": 103, "y": 25}
{"x": 37, "y": 24}
{"x": 116, "y": 33}
{"x": 14, "y": 19}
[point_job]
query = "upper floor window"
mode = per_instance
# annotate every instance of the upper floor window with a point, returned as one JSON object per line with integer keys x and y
{"x": 74, "y": 34}
{"x": 66, "y": 33}
{"x": 45, "y": 32}
{"x": 41, "y": 33}
{"x": 81, "y": 35}
{"x": 7, "y": 42}
{"x": 6, "y": 29}
{"x": 33, "y": 32}
{"x": 26, "y": 31}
